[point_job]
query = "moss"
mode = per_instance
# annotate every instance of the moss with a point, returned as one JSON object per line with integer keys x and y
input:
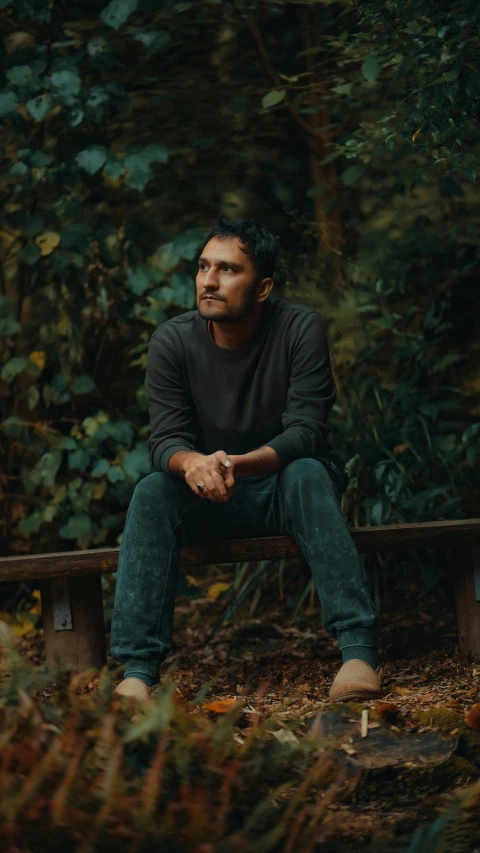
{"x": 447, "y": 720}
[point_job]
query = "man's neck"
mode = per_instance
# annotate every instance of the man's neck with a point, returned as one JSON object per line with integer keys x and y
{"x": 224, "y": 344}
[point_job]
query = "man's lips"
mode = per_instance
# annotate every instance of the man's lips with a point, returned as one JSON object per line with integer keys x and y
{"x": 213, "y": 298}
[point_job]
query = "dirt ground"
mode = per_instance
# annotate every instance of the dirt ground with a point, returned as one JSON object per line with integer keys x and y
{"x": 279, "y": 665}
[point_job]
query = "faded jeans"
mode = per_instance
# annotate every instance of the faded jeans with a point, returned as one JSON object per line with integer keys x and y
{"x": 302, "y": 500}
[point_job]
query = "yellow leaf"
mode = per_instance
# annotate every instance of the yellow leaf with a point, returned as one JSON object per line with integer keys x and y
{"x": 18, "y": 627}
{"x": 220, "y": 707}
{"x": 64, "y": 326}
{"x": 216, "y": 589}
{"x": 99, "y": 490}
{"x": 47, "y": 242}
{"x": 38, "y": 358}
{"x": 111, "y": 182}
{"x": 193, "y": 581}
{"x": 402, "y": 690}
{"x": 416, "y": 134}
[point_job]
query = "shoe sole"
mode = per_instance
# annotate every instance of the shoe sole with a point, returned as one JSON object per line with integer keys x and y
{"x": 357, "y": 695}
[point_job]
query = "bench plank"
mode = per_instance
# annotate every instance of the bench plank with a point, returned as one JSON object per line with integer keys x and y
{"x": 82, "y": 645}
{"x": 375, "y": 539}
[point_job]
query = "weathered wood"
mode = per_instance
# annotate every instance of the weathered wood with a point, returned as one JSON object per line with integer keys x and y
{"x": 465, "y": 571}
{"x": 84, "y": 645}
{"x": 394, "y": 537}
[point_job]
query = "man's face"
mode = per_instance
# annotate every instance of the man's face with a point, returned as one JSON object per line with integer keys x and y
{"x": 226, "y": 273}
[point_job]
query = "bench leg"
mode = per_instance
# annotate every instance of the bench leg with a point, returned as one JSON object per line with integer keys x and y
{"x": 73, "y": 625}
{"x": 465, "y": 568}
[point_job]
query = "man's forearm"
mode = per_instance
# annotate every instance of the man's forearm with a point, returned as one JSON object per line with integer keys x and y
{"x": 263, "y": 460}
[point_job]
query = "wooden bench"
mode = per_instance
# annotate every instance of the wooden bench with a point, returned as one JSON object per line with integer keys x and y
{"x": 71, "y": 590}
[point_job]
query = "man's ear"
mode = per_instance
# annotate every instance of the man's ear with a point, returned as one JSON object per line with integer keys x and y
{"x": 264, "y": 289}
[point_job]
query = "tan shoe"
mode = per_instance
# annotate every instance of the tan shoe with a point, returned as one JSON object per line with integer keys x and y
{"x": 355, "y": 680}
{"x": 134, "y": 688}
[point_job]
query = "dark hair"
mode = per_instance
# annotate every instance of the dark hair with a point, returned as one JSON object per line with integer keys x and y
{"x": 260, "y": 245}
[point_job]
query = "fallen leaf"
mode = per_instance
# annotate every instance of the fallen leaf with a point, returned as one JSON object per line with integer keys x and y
{"x": 216, "y": 589}
{"x": 402, "y": 690}
{"x": 387, "y": 711}
{"x": 454, "y": 731}
{"x": 222, "y": 706}
{"x": 285, "y": 736}
{"x": 472, "y": 717}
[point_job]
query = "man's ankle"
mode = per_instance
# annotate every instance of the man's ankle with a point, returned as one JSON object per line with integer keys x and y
{"x": 368, "y": 654}
{"x": 149, "y": 680}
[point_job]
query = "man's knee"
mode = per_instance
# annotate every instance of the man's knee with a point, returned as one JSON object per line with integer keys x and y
{"x": 303, "y": 470}
{"x": 154, "y": 486}
{"x": 306, "y": 472}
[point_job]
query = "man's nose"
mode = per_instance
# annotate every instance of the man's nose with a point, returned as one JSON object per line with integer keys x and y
{"x": 211, "y": 279}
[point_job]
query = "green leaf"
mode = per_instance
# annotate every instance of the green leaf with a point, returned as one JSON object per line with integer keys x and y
{"x": 83, "y": 385}
{"x": 29, "y": 254}
{"x": 13, "y": 367}
{"x": 113, "y": 169}
{"x": 272, "y": 98}
{"x": 100, "y": 468}
{"x": 154, "y": 42}
{"x": 77, "y": 525}
{"x": 352, "y": 174}
{"x": 18, "y": 170}
{"x": 79, "y": 459}
{"x": 39, "y": 107}
{"x": 181, "y": 292}
{"x": 343, "y": 89}
{"x": 19, "y": 75}
{"x": 8, "y": 102}
{"x": 117, "y": 12}
{"x": 155, "y": 153}
{"x": 33, "y": 396}
{"x": 97, "y": 45}
{"x": 115, "y": 474}
{"x": 91, "y": 159}
{"x": 371, "y": 68}
{"x": 138, "y": 280}
{"x": 137, "y": 462}
{"x": 66, "y": 81}
{"x": 139, "y": 172}
{"x": 32, "y": 522}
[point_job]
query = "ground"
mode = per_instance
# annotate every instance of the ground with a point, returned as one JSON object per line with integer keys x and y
{"x": 277, "y": 665}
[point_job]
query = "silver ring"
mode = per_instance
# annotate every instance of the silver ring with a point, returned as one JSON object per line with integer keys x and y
{"x": 201, "y": 486}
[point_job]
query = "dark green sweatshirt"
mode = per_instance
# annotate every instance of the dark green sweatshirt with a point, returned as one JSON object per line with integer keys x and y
{"x": 276, "y": 390}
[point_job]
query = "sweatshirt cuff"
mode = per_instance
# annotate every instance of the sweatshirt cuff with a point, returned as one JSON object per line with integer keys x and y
{"x": 161, "y": 460}
{"x": 285, "y": 449}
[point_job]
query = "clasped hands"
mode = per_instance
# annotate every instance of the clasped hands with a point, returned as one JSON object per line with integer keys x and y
{"x": 216, "y": 471}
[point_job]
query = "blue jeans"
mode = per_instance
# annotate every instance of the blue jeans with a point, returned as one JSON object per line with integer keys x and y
{"x": 303, "y": 500}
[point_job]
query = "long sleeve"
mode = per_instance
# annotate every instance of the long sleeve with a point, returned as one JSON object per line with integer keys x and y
{"x": 311, "y": 393}
{"x": 168, "y": 407}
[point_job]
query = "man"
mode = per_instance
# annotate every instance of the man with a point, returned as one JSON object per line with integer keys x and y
{"x": 239, "y": 393}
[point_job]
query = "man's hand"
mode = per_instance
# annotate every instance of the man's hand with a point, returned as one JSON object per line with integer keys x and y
{"x": 216, "y": 471}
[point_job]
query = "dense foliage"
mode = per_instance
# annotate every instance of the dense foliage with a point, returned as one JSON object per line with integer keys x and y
{"x": 350, "y": 128}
